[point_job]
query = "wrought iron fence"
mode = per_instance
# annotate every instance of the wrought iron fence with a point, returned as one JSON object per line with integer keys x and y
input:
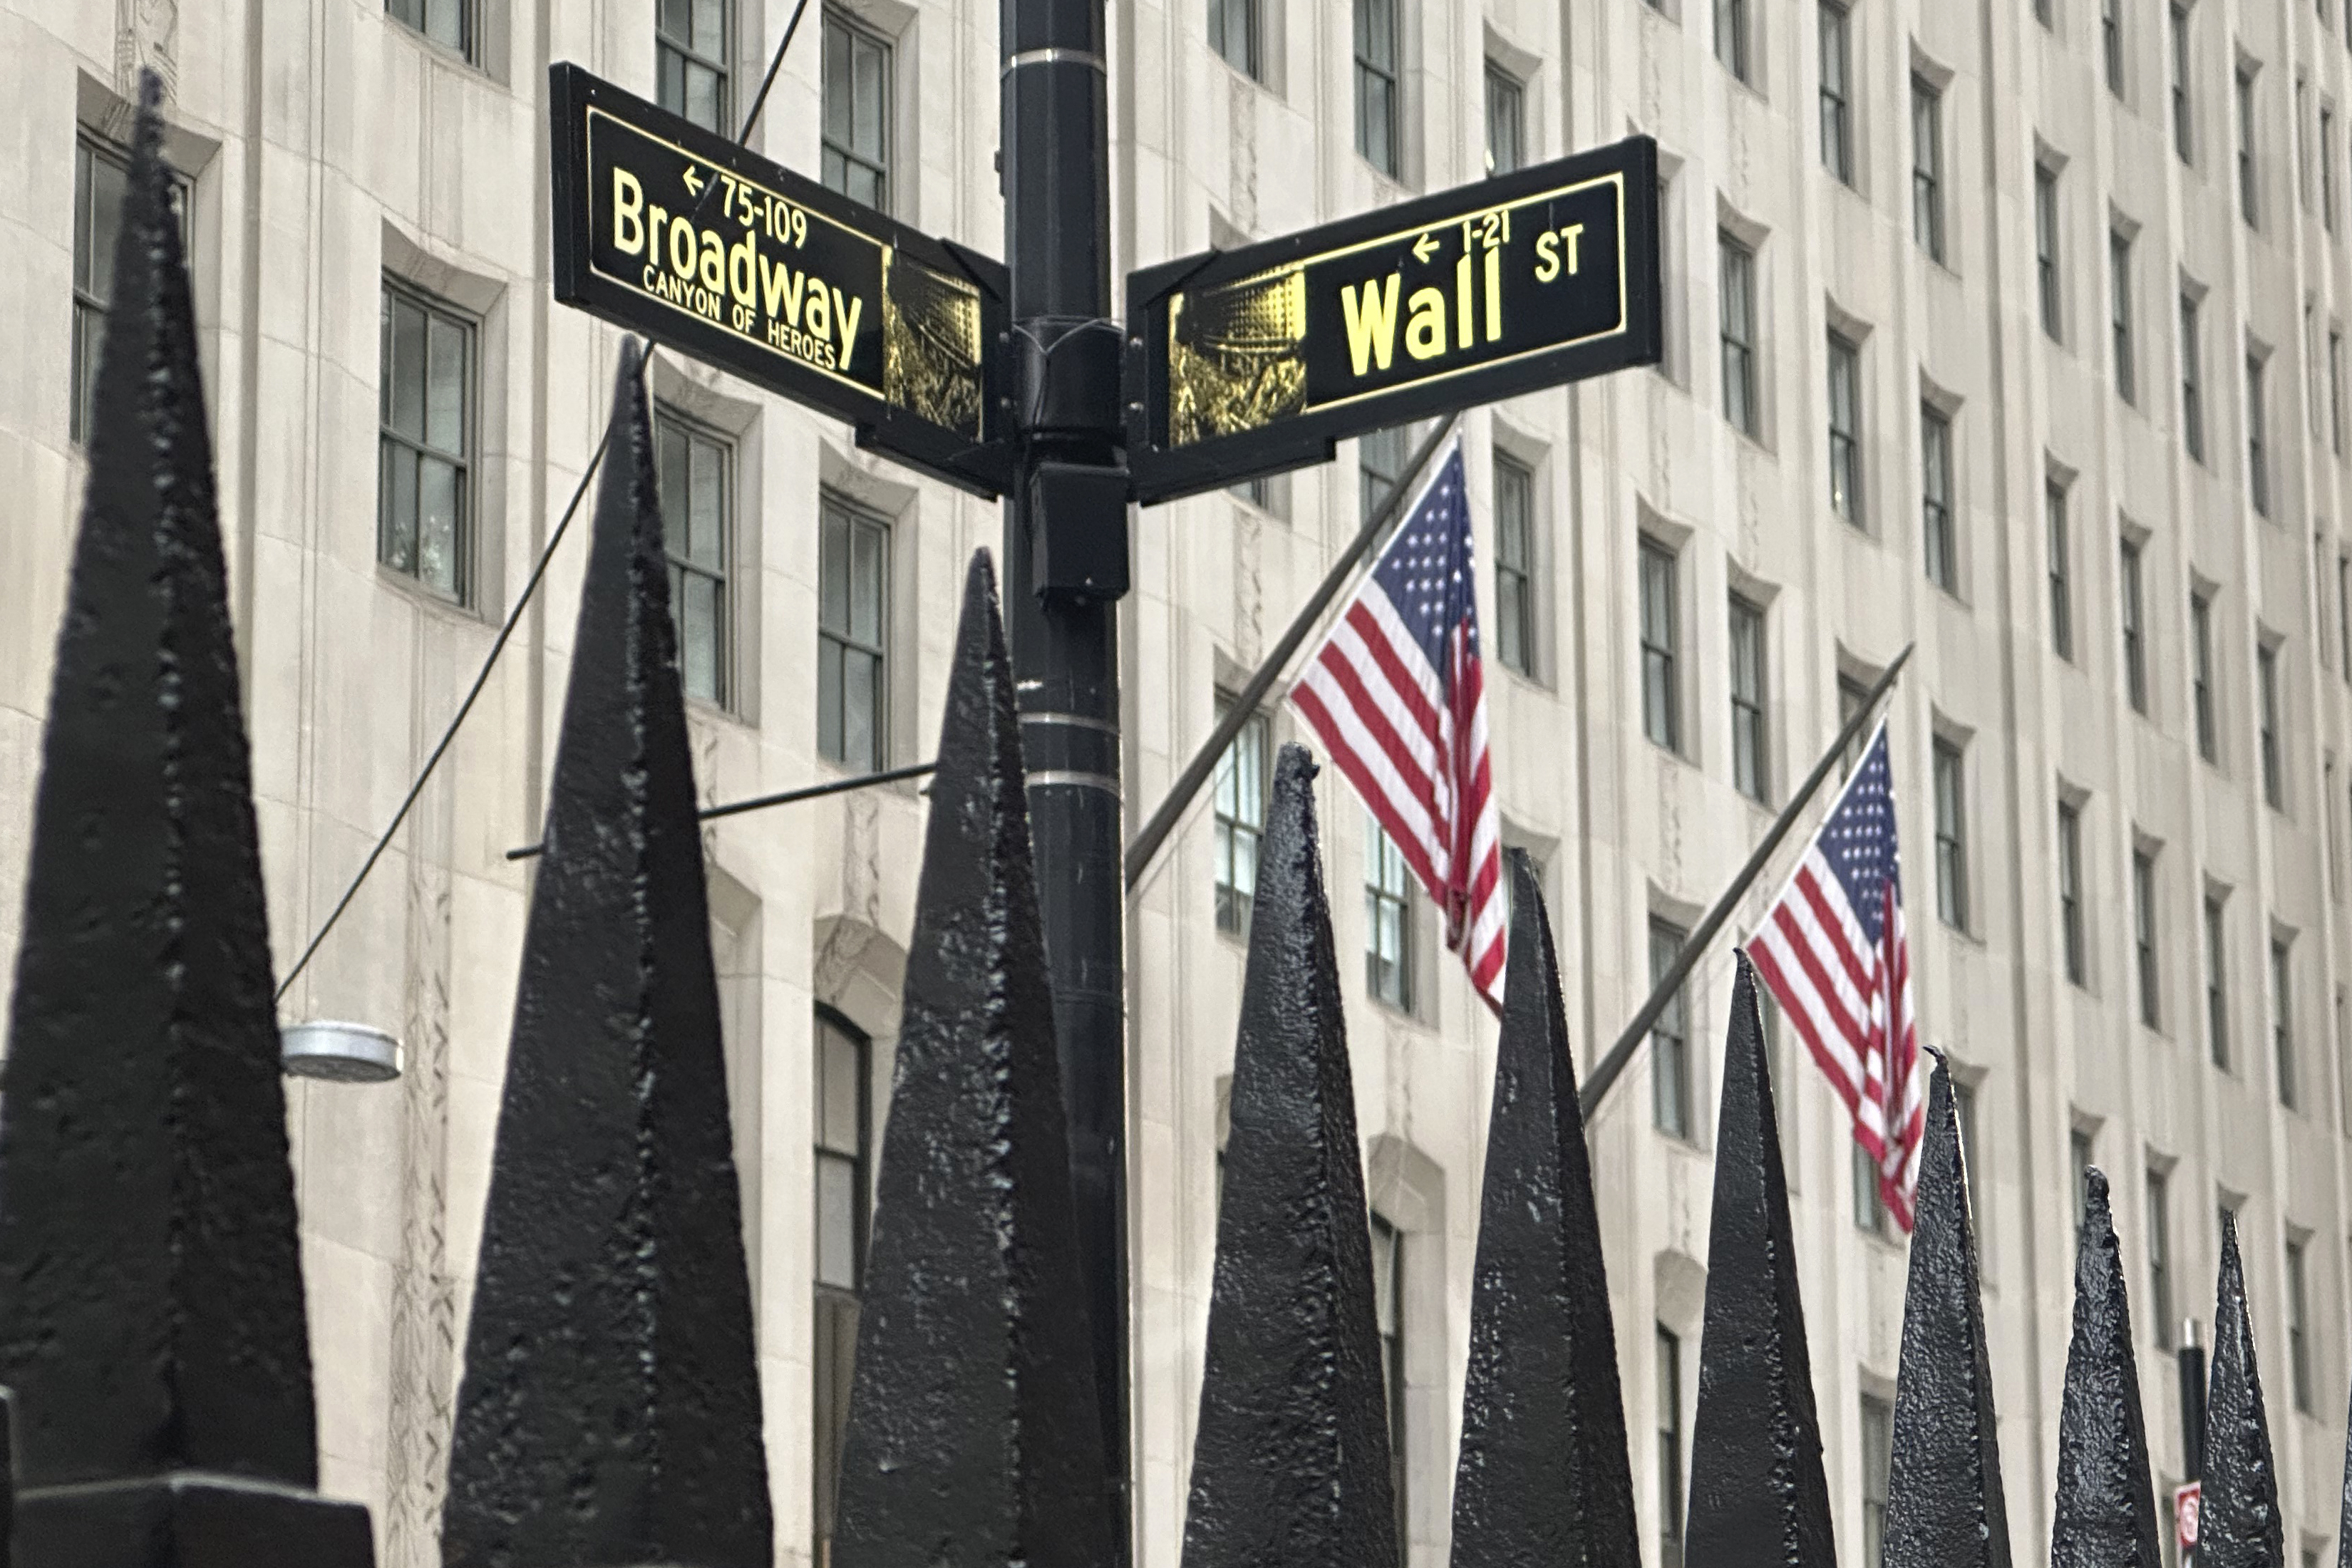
{"x": 153, "y": 1323}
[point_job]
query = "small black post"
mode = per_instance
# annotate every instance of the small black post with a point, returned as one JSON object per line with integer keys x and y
{"x": 2192, "y": 1416}
{"x": 1065, "y": 567}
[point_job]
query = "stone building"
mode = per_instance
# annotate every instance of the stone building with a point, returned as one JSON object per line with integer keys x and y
{"x": 2011, "y": 332}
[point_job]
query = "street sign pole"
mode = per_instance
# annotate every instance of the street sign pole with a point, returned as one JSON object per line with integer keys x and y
{"x": 1064, "y": 569}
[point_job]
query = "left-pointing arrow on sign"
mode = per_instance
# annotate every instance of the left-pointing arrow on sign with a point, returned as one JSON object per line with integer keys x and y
{"x": 693, "y": 180}
{"x": 1423, "y": 246}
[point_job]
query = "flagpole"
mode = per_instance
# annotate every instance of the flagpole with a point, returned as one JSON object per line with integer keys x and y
{"x": 1196, "y": 772}
{"x": 1606, "y": 1072}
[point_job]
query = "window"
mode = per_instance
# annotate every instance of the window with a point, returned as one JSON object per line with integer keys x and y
{"x": 1951, "y": 837}
{"x": 1731, "y": 36}
{"x": 1927, "y": 168}
{"x": 856, "y": 129}
{"x": 1388, "y": 1316}
{"x": 1387, "y": 919}
{"x": 2298, "y": 1338}
{"x": 2134, "y": 633}
{"x": 2344, "y": 610}
{"x": 1379, "y": 466}
{"x": 1852, "y": 697}
{"x": 2248, "y": 206}
{"x": 1963, "y": 1111}
{"x": 424, "y": 442}
{"x": 1670, "y": 1076}
{"x": 2217, "y": 982}
{"x": 1376, "y": 84}
{"x": 2258, "y": 461}
{"x": 1845, "y": 430}
{"x": 2183, "y": 117}
{"x": 2327, "y": 167}
{"x": 1936, "y": 500}
{"x": 694, "y": 476}
{"x": 2335, "y": 390}
{"x": 1236, "y": 33}
{"x": 2061, "y": 570}
{"x": 2283, "y": 1020}
{"x": 1507, "y": 120}
{"x": 2159, "y": 1257}
{"x": 2119, "y": 303}
{"x": 2303, "y": 140}
{"x": 2144, "y": 937}
{"x": 2078, "y": 1154}
{"x": 843, "y": 1157}
{"x": 2192, "y": 381}
{"x": 1735, "y": 269}
{"x": 2074, "y": 948}
{"x": 2266, "y": 690}
{"x": 1877, "y": 1458}
{"x": 101, "y": 176}
{"x": 2111, "y": 43}
{"x": 1515, "y": 568}
{"x": 1837, "y": 89}
{"x": 2045, "y": 246}
{"x": 450, "y": 22}
{"x": 691, "y": 45}
{"x": 1661, "y": 694}
{"x": 853, "y": 625}
{"x": 1747, "y": 745}
{"x": 2201, "y": 656}
{"x": 1241, "y": 799}
{"x": 1670, "y": 1448}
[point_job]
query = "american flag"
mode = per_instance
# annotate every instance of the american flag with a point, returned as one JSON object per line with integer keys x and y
{"x": 1834, "y": 950}
{"x": 1398, "y": 696}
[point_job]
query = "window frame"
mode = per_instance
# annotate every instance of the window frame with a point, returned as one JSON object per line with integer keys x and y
{"x": 2184, "y": 112}
{"x": 2146, "y": 948}
{"x": 2131, "y": 621}
{"x": 691, "y": 54}
{"x": 2258, "y": 464}
{"x": 1732, "y": 29}
{"x": 1515, "y": 621}
{"x": 1939, "y": 501}
{"x": 1388, "y": 1240}
{"x": 1388, "y": 158}
{"x": 398, "y": 292}
{"x": 2192, "y": 377}
{"x": 2058, "y": 543}
{"x": 1658, "y": 584}
{"x": 1876, "y": 1433}
{"x": 1389, "y": 887}
{"x": 1947, "y": 768}
{"x": 2217, "y": 980}
{"x": 1928, "y": 167}
{"x": 1735, "y": 331}
{"x": 2111, "y": 44}
{"x": 2283, "y": 1060}
{"x": 1667, "y": 1348}
{"x": 1845, "y": 430}
{"x": 674, "y": 534}
{"x": 2073, "y": 946}
{"x": 2298, "y": 1333}
{"x": 2159, "y": 1200}
{"x": 1223, "y": 42}
{"x": 2249, "y": 167}
{"x": 1671, "y": 1107}
{"x": 832, "y": 1302}
{"x": 1508, "y": 94}
{"x": 467, "y": 44}
{"x": 2050, "y": 281}
{"x": 1239, "y": 825}
{"x": 2202, "y": 706}
{"x": 1835, "y": 40}
{"x": 857, "y": 518}
{"x": 1750, "y": 738}
{"x": 2120, "y": 323}
{"x": 881, "y": 165}
{"x": 2269, "y": 745}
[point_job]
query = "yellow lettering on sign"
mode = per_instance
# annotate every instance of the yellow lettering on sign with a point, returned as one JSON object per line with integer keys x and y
{"x": 780, "y": 291}
{"x": 846, "y": 312}
{"x": 683, "y": 249}
{"x": 628, "y": 212}
{"x": 1424, "y": 335}
{"x": 1462, "y": 296}
{"x": 1546, "y": 257}
{"x": 1573, "y": 234}
{"x": 743, "y": 267}
{"x": 1371, "y": 322}
{"x": 1494, "y": 293}
{"x": 714, "y": 263}
{"x": 820, "y": 313}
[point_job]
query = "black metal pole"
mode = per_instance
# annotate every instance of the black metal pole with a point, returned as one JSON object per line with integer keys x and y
{"x": 1064, "y": 569}
{"x": 1606, "y": 1071}
{"x": 2192, "y": 1416}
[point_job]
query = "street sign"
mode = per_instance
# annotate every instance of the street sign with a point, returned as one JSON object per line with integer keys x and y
{"x": 2187, "y": 1502}
{"x": 1247, "y": 362}
{"x": 669, "y": 230}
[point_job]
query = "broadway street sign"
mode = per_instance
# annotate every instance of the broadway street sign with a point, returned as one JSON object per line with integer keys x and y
{"x": 671, "y": 231}
{"x": 1248, "y": 362}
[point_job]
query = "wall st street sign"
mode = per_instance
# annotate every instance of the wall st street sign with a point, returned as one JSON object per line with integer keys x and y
{"x": 671, "y": 231}
{"x": 1250, "y": 361}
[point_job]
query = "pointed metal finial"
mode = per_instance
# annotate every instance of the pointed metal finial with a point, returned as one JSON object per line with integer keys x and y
{"x": 152, "y": 1318}
{"x": 2105, "y": 1516}
{"x": 1758, "y": 1495}
{"x": 1290, "y": 1459}
{"x": 1944, "y": 1503}
{"x": 609, "y": 1414}
{"x": 975, "y": 1436}
{"x": 2238, "y": 1525}
{"x": 1543, "y": 1476}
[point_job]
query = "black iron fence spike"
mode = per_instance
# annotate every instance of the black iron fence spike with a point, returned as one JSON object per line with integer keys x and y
{"x": 1290, "y": 1457}
{"x": 1944, "y": 1503}
{"x": 1758, "y": 1498}
{"x": 155, "y": 1338}
{"x": 1543, "y": 1476}
{"x": 2239, "y": 1525}
{"x": 609, "y": 1413}
{"x": 975, "y": 1436}
{"x": 2104, "y": 1512}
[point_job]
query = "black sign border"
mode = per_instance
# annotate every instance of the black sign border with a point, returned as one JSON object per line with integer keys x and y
{"x": 1166, "y": 473}
{"x": 984, "y": 467}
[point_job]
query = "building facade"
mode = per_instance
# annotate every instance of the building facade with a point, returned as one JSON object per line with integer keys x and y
{"x": 2012, "y": 332}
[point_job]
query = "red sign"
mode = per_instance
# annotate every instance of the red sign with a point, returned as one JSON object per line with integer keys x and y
{"x": 2186, "y": 1502}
